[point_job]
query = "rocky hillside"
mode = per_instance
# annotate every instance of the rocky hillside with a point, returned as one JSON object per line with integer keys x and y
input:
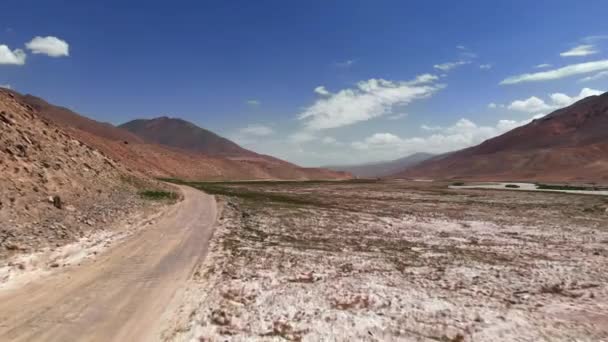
{"x": 570, "y": 144}
{"x": 55, "y": 188}
{"x": 167, "y": 147}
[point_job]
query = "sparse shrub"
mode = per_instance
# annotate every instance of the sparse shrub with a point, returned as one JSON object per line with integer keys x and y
{"x": 561, "y": 187}
{"x": 458, "y": 183}
{"x": 158, "y": 195}
{"x": 512, "y": 186}
{"x": 553, "y": 289}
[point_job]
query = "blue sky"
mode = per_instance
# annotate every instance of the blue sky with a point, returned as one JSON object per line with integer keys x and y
{"x": 391, "y": 77}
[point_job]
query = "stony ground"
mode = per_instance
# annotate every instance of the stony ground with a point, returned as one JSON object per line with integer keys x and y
{"x": 400, "y": 262}
{"x": 54, "y": 189}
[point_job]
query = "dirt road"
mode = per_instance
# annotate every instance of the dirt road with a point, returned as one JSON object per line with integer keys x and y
{"x": 125, "y": 294}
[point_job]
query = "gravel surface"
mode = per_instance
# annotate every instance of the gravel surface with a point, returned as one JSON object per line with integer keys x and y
{"x": 401, "y": 261}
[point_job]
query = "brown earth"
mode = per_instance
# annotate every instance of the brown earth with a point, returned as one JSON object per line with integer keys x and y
{"x": 175, "y": 148}
{"x": 569, "y": 144}
{"x": 54, "y": 188}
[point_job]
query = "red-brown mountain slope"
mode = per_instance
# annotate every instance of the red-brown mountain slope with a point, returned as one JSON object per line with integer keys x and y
{"x": 570, "y": 144}
{"x": 174, "y": 148}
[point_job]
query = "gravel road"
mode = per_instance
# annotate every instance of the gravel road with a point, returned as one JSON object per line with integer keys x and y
{"x": 126, "y": 294}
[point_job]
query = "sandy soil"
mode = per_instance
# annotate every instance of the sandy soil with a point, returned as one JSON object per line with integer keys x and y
{"x": 400, "y": 261}
{"x": 128, "y": 293}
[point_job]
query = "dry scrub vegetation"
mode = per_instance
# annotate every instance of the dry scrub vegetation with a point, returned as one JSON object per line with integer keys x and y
{"x": 399, "y": 261}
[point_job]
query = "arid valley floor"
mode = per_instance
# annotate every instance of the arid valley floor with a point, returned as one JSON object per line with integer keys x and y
{"x": 399, "y": 261}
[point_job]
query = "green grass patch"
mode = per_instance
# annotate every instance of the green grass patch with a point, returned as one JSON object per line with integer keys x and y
{"x": 234, "y": 189}
{"x": 158, "y": 195}
{"x": 273, "y": 182}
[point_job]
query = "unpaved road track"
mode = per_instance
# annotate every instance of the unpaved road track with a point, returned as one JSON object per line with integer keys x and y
{"x": 126, "y": 294}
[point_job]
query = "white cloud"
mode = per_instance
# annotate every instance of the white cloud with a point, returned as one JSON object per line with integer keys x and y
{"x": 530, "y": 105}
{"x": 253, "y": 102}
{"x": 579, "y": 51}
{"x": 485, "y": 66}
{"x": 321, "y": 91}
{"x": 570, "y": 70}
{"x": 369, "y": 99}
{"x": 424, "y": 79}
{"x": 558, "y": 100}
{"x": 461, "y": 47}
{"x": 563, "y": 100}
{"x": 450, "y": 65}
{"x": 542, "y": 66}
{"x": 14, "y": 57}
{"x": 6, "y": 86}
{"x": 598, "y": 76}
{"x": 257, "y": 130}
{"x": 462, "y": 134}
{"x": 50, "y": 46}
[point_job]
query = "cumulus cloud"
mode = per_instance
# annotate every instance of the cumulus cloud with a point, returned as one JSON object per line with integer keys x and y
{"x": 369, "y": 99}
{"x": 580, "y": 51}
{"x": 570, "y": 70}
{"x": 450, "y": 65}
{"x": 534, "y": 104}
{"x": 12, "y": 57}
{"x": 598, "y": 76}
{"x": 257, "y": 130}
{"x": 50, "y": 46}
{"x": 321, "y": 91}
{"x": 461, "y": 134}
{"x": 563, "y": 100}
{"x": 531, "y": 105}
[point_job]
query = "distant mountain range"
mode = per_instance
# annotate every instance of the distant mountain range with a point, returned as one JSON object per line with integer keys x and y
{"x": 172, "y": 147}
{"x": 382, "y": 169}
{"x": 570, "y": 144}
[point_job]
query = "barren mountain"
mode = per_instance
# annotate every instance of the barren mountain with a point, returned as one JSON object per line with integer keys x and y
{"x": 184, "y": 135}
{"x": 165, "y": 147}
{"x": 382, "y": 169}
{"x": 54, "y": 187}
{"x": 570, "y": 144}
